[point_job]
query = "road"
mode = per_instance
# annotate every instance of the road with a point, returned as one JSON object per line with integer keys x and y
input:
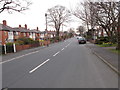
{"x": 63, "y": 65}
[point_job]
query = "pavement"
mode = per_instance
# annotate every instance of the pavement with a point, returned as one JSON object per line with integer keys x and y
{"x": 105, "y": 54}
{"x": 62, "y": 65}
{"x": 23, "y": 52}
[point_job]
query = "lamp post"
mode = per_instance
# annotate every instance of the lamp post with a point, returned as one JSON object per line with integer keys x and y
{"x": 46, "y": 28}
{"x": 46, "y": 20}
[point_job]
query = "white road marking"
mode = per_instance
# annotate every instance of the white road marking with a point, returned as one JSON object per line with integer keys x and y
{"x": 67, "y": 45}
{"x": 39, "y": 66}
{"x": 18, "y": 57}
{"x": 56, "y": 53}
{"x": 62, "y": 49}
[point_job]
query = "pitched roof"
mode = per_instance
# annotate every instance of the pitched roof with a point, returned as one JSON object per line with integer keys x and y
{"x": 19, "y": 29}
{"x": 7, "y": 28}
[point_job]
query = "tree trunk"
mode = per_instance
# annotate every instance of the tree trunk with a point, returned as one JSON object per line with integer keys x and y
{"x": 118, "y": 30}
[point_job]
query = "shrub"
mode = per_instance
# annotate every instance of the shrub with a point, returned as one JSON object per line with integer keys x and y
{"x": 25, "y": 41}
{"x": 9, "y": 47}
{"x": 102, "y": 40}
{"x": 19, "y": 42}
{"x": 107, "y": 44}
{"x": 9, "y": 44}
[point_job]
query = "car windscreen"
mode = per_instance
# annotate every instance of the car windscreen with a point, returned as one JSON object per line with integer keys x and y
{"x": 81, "y": 39}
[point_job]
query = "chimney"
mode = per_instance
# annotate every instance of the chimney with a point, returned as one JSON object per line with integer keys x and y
{"x": 19, "y": 26}
{"x": 4, "y": 22}
{"x": 25, "y": 26}
{"x": 37, "y": 28}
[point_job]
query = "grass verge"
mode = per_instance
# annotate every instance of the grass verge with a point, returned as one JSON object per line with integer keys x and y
{"x": 115, "y": 51}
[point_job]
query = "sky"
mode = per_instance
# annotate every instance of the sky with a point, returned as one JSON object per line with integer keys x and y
{"x": 35, "y": 16}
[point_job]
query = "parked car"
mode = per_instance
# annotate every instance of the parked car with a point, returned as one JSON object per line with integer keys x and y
{"x": 82, "y": 40}
{"x": 78, "y": 37}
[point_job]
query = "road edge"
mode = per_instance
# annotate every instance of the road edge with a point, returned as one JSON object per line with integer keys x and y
{"x": 105, "y": 61}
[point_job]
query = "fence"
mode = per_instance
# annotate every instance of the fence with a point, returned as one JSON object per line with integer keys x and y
{"x": 10, "y": 48}
{"x": 15, "y": 48}
{"x": 6, "y": 49}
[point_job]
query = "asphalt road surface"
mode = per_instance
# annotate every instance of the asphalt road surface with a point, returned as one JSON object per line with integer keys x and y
{"x": 63, "y": 65}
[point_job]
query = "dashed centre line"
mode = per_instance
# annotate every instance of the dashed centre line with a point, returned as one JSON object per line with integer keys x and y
{"x": 62, "y": 49}
{"x": 39, "y": 66}
{"x": 56, "y": 53}
{"x": 46, "y": 60}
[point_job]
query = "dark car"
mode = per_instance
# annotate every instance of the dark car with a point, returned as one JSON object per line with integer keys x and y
{"x": 82, "y": 40}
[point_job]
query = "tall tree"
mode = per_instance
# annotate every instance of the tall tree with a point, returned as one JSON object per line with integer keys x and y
{"x": 81, "y": 30}
{"x": 57, "y": 16}
{"x": 82, "y": 12}
{"x": 118, "y": 27}
{"x": 14, "y": 5}
{"x": 103, "y": 14}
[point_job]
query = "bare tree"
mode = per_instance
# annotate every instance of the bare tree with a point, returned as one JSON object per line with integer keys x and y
{"x": 14, "y": 5}
{"x": 82, "y": 12}
{"x": 81, "y": 30}
{"x": 118, "y": 28}
{"x": 103, "y": 14}
{"x": 57, "y": 16}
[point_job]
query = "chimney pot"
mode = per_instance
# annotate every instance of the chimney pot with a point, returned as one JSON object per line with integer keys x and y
{"x": 37, "y": 28}
{"x": 19, "y": 26}
{"x": 4, "y": 22}
{"x": 25, "y": 26}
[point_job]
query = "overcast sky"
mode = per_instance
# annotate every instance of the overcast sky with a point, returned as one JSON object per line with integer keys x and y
{"x": 35, "y": 16}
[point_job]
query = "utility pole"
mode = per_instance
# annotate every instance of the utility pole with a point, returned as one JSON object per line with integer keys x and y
{"x": 46, "y": 28}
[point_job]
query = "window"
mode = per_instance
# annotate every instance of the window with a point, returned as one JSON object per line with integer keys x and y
{"x": 24, "y": 34}
{"x": 5, "y": 33}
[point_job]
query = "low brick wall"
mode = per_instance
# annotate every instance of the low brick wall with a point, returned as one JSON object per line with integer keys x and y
{"x": 46, "y": 42}
{"x": 23, "y": 47}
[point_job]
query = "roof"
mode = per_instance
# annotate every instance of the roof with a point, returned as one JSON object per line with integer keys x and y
{"x": 7, "y": 28}
{"x": 19, "y": 29}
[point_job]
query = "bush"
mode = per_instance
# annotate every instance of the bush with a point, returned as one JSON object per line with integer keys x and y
{"x": 52, "y": 40}
{"x": 9, "y": 47}
{"x": 102, "y": 40}
{"x": 107, "y": 44}
{"x": 19, "y": 42}
{"x": 25, "y": 41}
{"x": 9, "y": 44}
{"x": 56, "y": 38}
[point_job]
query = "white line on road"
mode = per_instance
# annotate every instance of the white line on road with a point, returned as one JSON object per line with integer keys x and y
{"x": 18, "y": 57}
{"x": 67, "y": 45}
{"x": 56, "y": 53}
{"x": 62, "y": 49}
{"x": 39, "y": 66}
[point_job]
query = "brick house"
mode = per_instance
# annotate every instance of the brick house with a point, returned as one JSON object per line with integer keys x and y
{"x": 10, "y": 34}
{"x": 6, "y": 32}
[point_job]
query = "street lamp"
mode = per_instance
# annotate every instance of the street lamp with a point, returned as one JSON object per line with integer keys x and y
{"x": 46, "y": 20}
{"x": 46, "y": 28}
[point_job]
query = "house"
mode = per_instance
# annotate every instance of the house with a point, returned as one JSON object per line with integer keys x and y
{"x": 9, "y": 34}
{"x": 51, "y": 34}
{"x": 6, "y": 32}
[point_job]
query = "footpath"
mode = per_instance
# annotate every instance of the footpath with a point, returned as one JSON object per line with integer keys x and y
{"x": 108, "y": 57}
{"x": 24, "y": 52}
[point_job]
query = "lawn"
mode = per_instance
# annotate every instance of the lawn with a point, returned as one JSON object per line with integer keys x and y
{"x": 115, "y": 51}
{"x": 107, "y": 45}
{"x": 110, "y": 45}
